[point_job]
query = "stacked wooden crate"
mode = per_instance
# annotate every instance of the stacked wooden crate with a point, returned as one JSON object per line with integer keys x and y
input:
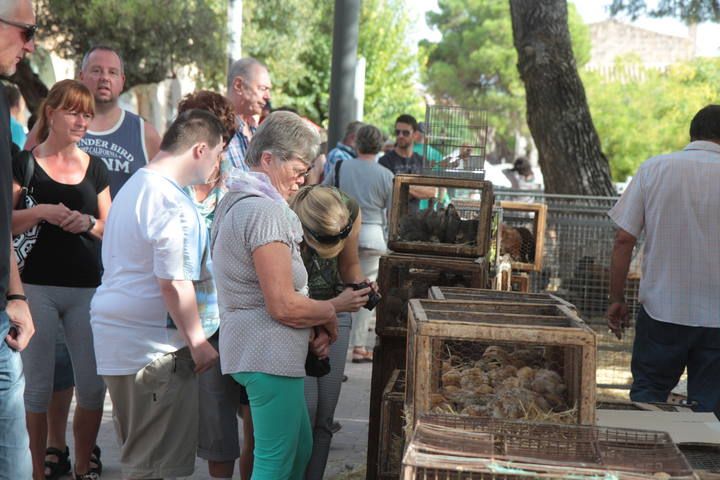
{"x": 440, "y": 245}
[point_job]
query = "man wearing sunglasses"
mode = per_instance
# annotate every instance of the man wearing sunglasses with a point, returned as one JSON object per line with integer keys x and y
{"x": 402, "y": 159}
{"x": 17, "y": 28}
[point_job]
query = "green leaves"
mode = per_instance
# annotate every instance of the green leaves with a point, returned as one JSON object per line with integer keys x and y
{"x": 155, "y": 37}
{"x": 294, "y": 38}
{"x": 474, "y": 64}
{"x": 637, "y": 120}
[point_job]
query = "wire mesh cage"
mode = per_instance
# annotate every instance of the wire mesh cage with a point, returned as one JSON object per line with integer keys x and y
{"x": 392, "y": 421}
{"x": 403, "y": 277}
{"x": 522, "y": 234}
{"x": 455, "y": 141}
{"x": 388, "y": 356}
{"x": 444, "y": 225}
{"x": 578, "y": 244}
{"x": 484, "y": 295}
{"x": 446, "y": 447}
{"x": 509, "y": 360}
{"x": 702, "y": 456}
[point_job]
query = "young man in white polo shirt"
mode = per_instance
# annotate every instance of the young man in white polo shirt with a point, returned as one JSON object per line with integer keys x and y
{"x": 149, "y": 343}
{"x": 675, "y": 200}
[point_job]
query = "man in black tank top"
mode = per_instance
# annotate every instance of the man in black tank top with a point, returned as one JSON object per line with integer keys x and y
{"x": 123, "y": 140}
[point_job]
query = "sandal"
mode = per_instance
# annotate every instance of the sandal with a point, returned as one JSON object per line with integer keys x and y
{"x": 94, "y": 472}
{"x": 87, "y": 476}
{"x": 95, "y": 458}
{"x": 59, "y": 467}
{"x": 360, "y": 355}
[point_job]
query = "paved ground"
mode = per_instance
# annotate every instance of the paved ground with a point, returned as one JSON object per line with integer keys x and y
{"x": 346, "y": 455}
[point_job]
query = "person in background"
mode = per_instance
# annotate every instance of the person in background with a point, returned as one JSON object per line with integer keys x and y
{"x": 266, "y": 318}
{"x": 17, "y": 30}
{"x": 331, "y": 223}
{"x": 125, "y": 142}
{"x": 402, "y": 159}
{"x": 433, "y": 155}
{"x": 149, "y": 340}
{"x": 62, "y": 270}
{"x": 673, "y": 199}
{"x": 221, "y": 398}
{"x": 371, "y": 185}
{"x": 248, "y": 89}
{"x": 521, "y": 176}
{"x": 17, "y": 107}
{"x": 344, "y": 149}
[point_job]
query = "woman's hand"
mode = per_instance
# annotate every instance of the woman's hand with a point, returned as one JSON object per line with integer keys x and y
{"x": 53, "y": 214}
{"x": 76, "y": 222}
{"x": 351, "y": 300}
{"x": 320, "y": 344}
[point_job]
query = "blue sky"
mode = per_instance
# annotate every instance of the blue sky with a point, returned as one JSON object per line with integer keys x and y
{"x": 591, "y": 11}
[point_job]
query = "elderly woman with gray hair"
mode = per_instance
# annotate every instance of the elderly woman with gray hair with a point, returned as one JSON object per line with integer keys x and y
{"x": 267, "y": 321}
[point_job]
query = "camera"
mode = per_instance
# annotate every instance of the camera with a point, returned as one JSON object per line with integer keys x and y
{"x": 373, "y": 296}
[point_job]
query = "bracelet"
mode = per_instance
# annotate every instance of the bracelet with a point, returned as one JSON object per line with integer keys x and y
{"x": 16, "y": 296}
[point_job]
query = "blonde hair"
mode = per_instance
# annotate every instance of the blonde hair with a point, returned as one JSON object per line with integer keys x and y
{"x": 322, "y": 211}
{"x": 69, "y": 95}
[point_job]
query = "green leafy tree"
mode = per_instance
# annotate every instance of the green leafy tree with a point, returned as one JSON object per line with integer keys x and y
{"x": 637, "y": 120}
{"x": 156, "y": 37}
{"x": 295, "y": 39}
{"x": 474, "y": 64}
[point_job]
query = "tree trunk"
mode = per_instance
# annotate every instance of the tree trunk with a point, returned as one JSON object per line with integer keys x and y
{"x": 569, "y": 150}
{"x": 31, "y": 87}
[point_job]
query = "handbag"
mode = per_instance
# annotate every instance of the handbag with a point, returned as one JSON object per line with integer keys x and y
{"x": 316, "y": 367}
{"x": 24, "y": 242}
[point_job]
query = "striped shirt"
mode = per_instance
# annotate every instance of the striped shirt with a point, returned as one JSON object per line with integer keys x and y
{"x": 237, "y": 148}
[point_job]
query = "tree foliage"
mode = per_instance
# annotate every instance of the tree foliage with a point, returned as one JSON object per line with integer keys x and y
{"x": 636, "y": 120}
{"x": 690, "y": 11}
{"x": 155, "y": 37}
{"x": 474, "y": 64}
{"x": 294, "y": 37}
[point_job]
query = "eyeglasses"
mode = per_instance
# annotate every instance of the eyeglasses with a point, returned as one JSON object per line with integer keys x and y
{"x": 303, "y": 173}
{"x": 28, "y": 30}
{"x": 402, "y": 133}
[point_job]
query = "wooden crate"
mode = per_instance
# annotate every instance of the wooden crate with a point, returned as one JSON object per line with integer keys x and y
{"x": 452, "y": 447}
{"x": 523, "y": 234}
{"x": 520, "y": 282}
{"x": 392, "y": 440}
{"x": 447, "y": 341}
{"x": 402, "y": 277}
{"x": 484, "y": 295}
{"x": 452, "y": 232}
{"x": 388, "y": 356}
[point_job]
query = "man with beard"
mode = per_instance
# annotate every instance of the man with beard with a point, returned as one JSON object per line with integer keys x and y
{"x": 402, "y": 159}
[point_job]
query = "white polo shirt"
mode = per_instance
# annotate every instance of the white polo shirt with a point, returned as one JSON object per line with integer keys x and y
{"x": 675, "y": 199}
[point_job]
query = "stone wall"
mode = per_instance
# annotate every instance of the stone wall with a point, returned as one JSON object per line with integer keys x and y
{"x": 612, "y": 38}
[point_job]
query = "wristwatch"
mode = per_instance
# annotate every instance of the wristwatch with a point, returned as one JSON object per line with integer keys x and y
{"x": 93, "y": 221}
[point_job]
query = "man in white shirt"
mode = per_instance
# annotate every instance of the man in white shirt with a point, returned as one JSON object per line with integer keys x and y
{"x": 146, "y": 327}
{"x": 675, "y": 200}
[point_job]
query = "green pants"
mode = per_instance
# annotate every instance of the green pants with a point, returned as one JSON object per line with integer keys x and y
{"x": 283, "y": 437}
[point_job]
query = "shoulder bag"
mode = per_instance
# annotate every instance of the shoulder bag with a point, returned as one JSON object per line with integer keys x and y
{"x": 24, "y": 242}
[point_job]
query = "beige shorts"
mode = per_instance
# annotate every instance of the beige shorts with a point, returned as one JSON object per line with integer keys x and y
{"x": 156, "y": 417}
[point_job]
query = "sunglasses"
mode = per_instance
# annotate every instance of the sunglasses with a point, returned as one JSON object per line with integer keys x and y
{"x": 402, "y": 133}
{"x": 28, "y": 30}
{"x": 331, "y": 239}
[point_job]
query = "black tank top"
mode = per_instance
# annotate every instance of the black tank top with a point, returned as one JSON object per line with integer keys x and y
{"x": 60, "y": 258}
